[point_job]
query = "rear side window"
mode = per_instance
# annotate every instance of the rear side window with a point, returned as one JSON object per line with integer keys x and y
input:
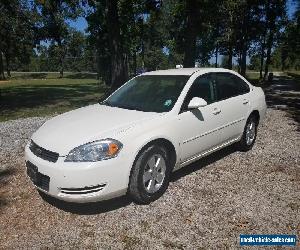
{"x": 229, "y": 85}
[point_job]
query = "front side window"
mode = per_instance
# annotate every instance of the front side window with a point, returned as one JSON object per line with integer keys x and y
{"x": 149, "y": 93}
{"x": 202, "y": 87}
{"x": 230, "y": 85}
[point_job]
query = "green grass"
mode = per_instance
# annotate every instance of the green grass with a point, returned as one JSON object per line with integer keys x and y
{"x": 253, "y": 77}
{"x": 295, "y": 75}
{"x": 23, "y": 96}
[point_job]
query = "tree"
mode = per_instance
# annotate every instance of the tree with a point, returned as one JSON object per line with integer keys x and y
{"x": 54, "y": 27}
{"x": 98, "y": 38}
{"x": 271, "y": 20}
{"x": 290, "y": 43}
{"x": 254, "y": 62}
{"x": 190, "y": 34}
{"x": 105, "y": 34}
{"x": 250, "y": 14}
{"x": 75, "y": 50}
{"x": 118, "y": 65}
{"x": 126, "y": 35}
{"x": 191, "y": 30}
{"x": 275, "y": 11}
{"x": 16, "y": 33}
{"x": 228, "y": 19}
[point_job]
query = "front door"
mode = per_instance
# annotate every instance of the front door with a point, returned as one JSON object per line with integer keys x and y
{"x": 199, "y": 128}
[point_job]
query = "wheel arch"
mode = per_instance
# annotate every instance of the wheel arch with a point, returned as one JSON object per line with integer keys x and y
{"x": 165, "y": 143}
{"x": 256, "y": 114}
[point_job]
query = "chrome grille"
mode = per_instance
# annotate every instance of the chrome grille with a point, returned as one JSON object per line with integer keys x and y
{"x": 43, "y": 153}
{"x": 84, "y": 190}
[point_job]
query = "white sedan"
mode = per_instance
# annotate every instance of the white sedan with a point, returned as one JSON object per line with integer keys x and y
{"x": 154, "y": 124}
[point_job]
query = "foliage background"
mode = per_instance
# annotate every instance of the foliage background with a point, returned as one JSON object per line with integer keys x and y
{"x": 126, "y": 37}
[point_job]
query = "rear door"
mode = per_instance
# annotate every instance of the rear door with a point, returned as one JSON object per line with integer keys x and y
{"x": 232, "y": 94}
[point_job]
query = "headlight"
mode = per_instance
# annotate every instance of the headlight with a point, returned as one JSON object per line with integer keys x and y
{"x": 95, "y": 151}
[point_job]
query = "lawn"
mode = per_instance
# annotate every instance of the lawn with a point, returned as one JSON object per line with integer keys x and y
{"x": 27, "y": 95}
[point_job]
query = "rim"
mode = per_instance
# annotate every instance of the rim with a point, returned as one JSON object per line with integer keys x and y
{"x": 250, "y": 133}
{"x": 154, "y": 174}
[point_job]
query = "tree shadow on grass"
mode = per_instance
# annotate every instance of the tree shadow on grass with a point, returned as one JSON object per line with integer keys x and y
{"x": 81, "y": 76}
{"x": 31, "y": 76}
{"x": 75, "y": 95}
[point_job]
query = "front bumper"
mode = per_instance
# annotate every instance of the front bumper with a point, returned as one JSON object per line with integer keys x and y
{"x": 82, "y": 181}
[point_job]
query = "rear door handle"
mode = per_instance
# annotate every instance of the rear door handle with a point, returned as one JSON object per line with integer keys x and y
{"x": 245, "y": 101}
{"x": 216, "y": 111}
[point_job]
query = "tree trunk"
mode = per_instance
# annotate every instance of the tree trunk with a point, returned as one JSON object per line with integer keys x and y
{"x": 243, "y": 60}
{"x": 244, "y": 40}
{"x": 98, "y": 64}
{"x": 230, "y": 40}
{"x": 143, "y": 54}
{"x": 61, "y": 59}
{"x": 2, "y": 77}
{"x": 269, "y": 50}
{"x": 216, "y": 55}
{"x": 190, "y": 34}
{"x": 7, "y": 59}
{"x": 263, "y": 43}
{"x": 262, "y": 56}
{"x": 284, "y": 56}
{"x": 230, "y": 55}
{"x": 61, "y": 72}
{"x": 243, "y": 57}
{"x": 239, "y": 62}
{"x": 134, "y": 63}
{"x": 271, "y": 21}
{"x": 119, "y": 74}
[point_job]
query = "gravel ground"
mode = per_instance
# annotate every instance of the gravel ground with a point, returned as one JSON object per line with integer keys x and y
{"x": 207, "y": 206}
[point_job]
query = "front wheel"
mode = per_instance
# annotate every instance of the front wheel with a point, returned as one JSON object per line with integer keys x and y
{"x": 150, "y": 175}
{"x": 249, "y": 135}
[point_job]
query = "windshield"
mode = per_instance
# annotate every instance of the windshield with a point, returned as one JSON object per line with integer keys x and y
{"x": 149, "y": 93}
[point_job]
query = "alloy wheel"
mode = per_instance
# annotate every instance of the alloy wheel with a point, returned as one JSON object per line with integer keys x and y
{"x": 154, "y": 174}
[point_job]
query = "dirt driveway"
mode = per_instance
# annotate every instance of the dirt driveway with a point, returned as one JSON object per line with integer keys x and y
{"x": 207, "y": 206}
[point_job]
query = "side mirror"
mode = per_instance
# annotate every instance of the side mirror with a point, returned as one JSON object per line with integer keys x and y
{"x": 197, "y": 102}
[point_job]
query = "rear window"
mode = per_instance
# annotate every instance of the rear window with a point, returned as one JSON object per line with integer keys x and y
{"x": 230, "y": 85}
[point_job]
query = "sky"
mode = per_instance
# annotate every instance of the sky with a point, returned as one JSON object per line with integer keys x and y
{"x": 80, "y": 24}
{"x": 291, "y": 8}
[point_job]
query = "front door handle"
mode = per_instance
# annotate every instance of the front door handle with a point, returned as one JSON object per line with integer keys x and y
{"x": 245, "y": 101}
{"x": 216, "y": 111}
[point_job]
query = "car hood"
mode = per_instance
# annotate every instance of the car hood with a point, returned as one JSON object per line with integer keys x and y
{"x": 66, "y": 131}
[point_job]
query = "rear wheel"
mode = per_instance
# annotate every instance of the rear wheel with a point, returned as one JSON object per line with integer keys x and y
{"x": 249, "y": 136}
{"x": 150, "y": 175}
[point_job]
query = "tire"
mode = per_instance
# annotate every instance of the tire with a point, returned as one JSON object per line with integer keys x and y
{"x": 249, "y": 135}
{"x": 150, "y": 175}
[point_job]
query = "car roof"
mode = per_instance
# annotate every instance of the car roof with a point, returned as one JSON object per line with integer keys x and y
{"x": 185, "y": 71}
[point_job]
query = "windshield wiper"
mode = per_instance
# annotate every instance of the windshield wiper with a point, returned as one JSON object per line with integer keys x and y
{"x": 106, "y": 103}
{"x": 130, "y": 107}
{"x": 134, "y": 108}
